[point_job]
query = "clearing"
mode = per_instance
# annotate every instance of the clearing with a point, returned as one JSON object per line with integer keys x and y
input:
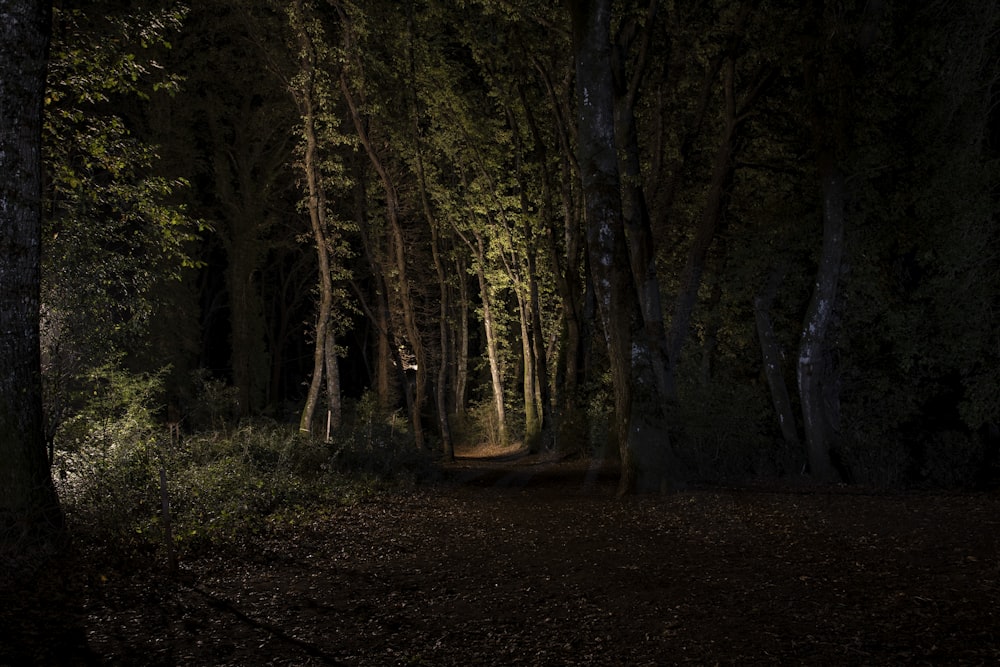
{"x": 522, "y": 561}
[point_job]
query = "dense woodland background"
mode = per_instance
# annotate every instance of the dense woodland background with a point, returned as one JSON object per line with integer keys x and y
{"x": 312, "y": 212}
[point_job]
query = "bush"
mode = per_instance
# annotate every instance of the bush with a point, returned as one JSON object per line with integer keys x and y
{"x": 225, "y": 486}
{"x": 107, "y": 455}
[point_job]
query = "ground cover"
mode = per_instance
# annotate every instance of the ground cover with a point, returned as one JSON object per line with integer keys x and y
{"x": 520, "y": 560}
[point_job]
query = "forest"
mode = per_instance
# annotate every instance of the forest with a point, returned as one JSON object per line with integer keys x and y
{"x": 306, "y": 205}
{"x": 770, "y": 251}
{"x": 264, "y": 255}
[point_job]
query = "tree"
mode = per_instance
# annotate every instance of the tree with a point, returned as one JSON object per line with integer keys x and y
{"x": 234, "y": 136}
{"x": 352, "y": 86}
{"x": 639, "y": 420}
{"x": 117, "y": 238}
{"x": 308, "y": 96}
{"x": 28, "y": 503}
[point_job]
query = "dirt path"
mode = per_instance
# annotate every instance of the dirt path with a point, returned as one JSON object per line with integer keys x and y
{"x": 527, "y": 562}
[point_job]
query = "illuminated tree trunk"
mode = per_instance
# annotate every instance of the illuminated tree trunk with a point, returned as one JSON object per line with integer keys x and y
{"x": 461, "y": 339}
{"x": 316, "y": 204}
{"x": 492, "y": 350}
{"x": 29, "y": 508}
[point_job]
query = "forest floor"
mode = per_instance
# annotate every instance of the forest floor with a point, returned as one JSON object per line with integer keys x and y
{"x": 522, "y": 561}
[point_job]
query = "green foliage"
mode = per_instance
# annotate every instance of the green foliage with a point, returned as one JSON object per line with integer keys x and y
{"x": 106, "y": 457}
{"x": 478, "y": 425}
{"x": 216, "y": 406}
{"x": 113, "y": 230}
{"x": 224, "y": 486}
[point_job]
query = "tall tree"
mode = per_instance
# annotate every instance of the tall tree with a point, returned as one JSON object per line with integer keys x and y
{"x": 838, "y": 65}
{"x": 354, "y": 86}
{"x": 28, "y": 502}
{"x": 639, "y": 418}
{"x": 306, "y": 90}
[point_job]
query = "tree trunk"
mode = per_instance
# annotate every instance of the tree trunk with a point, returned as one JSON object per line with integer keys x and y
{"x": 444, "y": 361}
{"x": 529, "y": 300}
{"x": 29, "y": 509}
{"x": 491, "y": 343}
{"x": 378, "y": 314}
{"x": 771, "y": 355}
{"x": 461, "y": 379}
{"x": 316, "y": 203}
{"x": 246, "y": 162}
{"x": 334, "y": 402}
{"x": 398, "y": 253}
{"x": 638, "y": 229}
{"x": 532, "y": 418}
{"x": 817, "y": 383}
{"x": 542, "y": 394}
{"x": 247, "y": 353}
{"x": 639, "y": 425}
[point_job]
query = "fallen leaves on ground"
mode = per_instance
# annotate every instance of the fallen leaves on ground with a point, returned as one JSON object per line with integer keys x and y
{"x": 528, "y": 562}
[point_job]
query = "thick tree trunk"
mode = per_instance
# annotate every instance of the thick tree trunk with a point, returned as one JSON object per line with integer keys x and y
{"x": 638, "y": 229}
{"x": 818, "y": 389}
{"x": 245, "y": 164}
{"x": 29, "y": 509}
{"x": 640, "y": 421}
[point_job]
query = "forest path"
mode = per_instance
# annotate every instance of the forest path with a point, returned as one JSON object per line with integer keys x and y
{"x": 526, "y": 561}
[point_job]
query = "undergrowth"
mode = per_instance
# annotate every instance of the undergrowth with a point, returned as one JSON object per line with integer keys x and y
{"x": 116, "y": 464}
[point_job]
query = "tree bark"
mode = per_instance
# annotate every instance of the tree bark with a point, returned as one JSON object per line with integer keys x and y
{"x": 817, "y": 383}
{"x": 316, "y": 204}
{"x": 444, "y": 360}
{"x": 687, "y": 295}
{"x": 28, "y": 504}
{"x": 771, "y": 356}
{"x": 638, "y": 228}
{"x": 334, "y": 400}
{"x": 247, "y": 160}
{"x": 378, "y": 313}
{"x": 398, "y": 252}
{"x": 639, "y": 425}
{"x": 491, "y": 342}
{"x": 461, "y": 340}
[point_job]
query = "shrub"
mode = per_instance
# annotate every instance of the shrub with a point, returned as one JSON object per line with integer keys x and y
{"x": 225, "y": 486}
{"x": 376, "y": 441}
{"x": 107, "y": 457}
